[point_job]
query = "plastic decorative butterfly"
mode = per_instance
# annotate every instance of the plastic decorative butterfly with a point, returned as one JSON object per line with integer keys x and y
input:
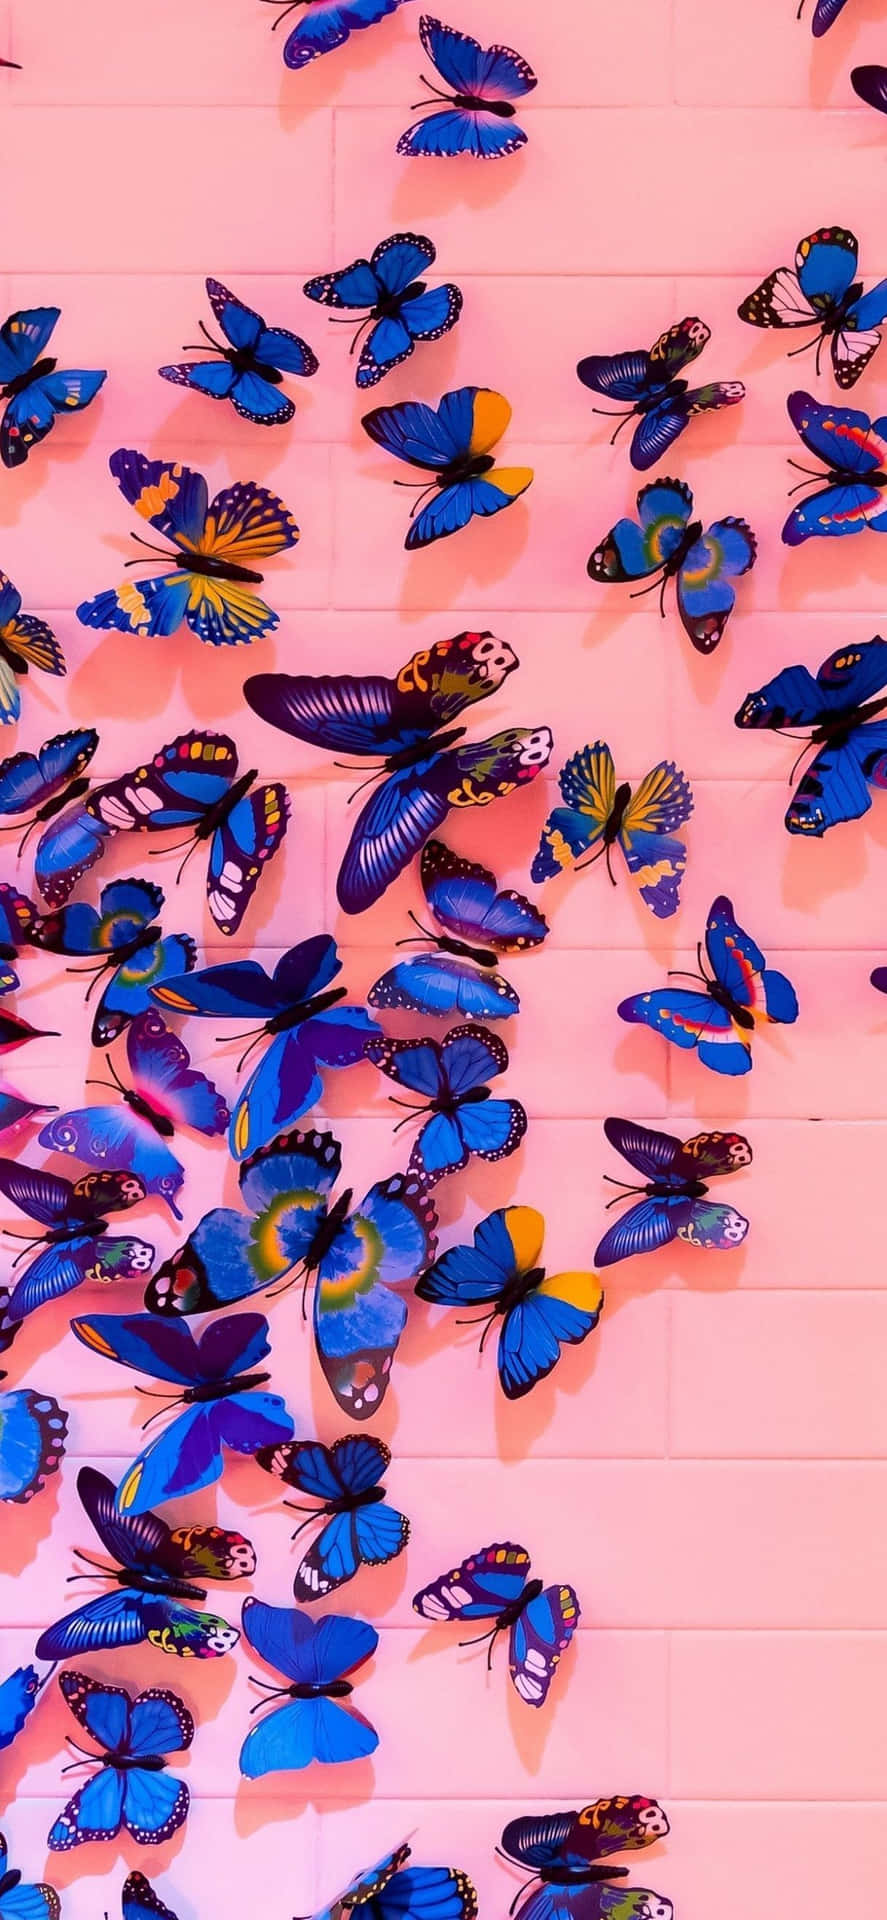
{"x": 18, "y": 1698}
{"x": 674, "y": 1205}
{"x": 597, "y": 813}
{"x": 130, "y": 1787}
{"x": 122, "y": 935}
{"x": 216, "y": 545}
{"x": 465, "y": 901}
{"x": 568, "y": 1855}
{"x": 47, "y": 780}
{"x": 493, "y": 1585}
{"x": 821, "y": 292}
{"x": 825, "y": 13}
{"x": 398, "y": 309}
{"x": 20, "y": 1900}
{"x": 480, "y": 86}
{"x": 315, "y": 1656}
{"x": 32, "y": 388}
{"x": 871, "y": 84}
{"x": 453, "y": 441}
{"x": 214, "y": 1382}
{"x": 846, "y": 722}
{"x": 325, "y": 24}
{"x": 297, "y": 1011}
{"x": 538, "y": 1314}
{"x": 139, "y": 1901}
{"x": 157, "y": 1569}
{"x": 660, "y": 402}
{"x": 854, "y": 449}
{"x": 719, "y": 1020}
{"x": 167, "y": 1092}
{"x": 426, "y": 771}
{"x": 462, "y": 1118}
{"x": 251, "y": 367}
{"x": 18, "y": 919}
{"x": 76, "y": 1243}
{"x": 361, "y": 1529}
{"x": 192, "y": 783}
{"x": 25, "y": 642}
{"x": 355, "y": 1258}
{"x": 390, "y": 1890}
{"x": 666, "y": 543}
{"x": 33, "y": 1428}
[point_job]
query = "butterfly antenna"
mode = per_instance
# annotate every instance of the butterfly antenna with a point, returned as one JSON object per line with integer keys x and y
{"x": 29, "y": 829}
{"x": 582, "y": 864}
{"x": 192, "y": 848}
{"x": 432, "y": 89}
{"x": 163, "y": 552}
{"x": 108, "y": 1573}
{"x": 805, "y": 749}
{"x": 373, "y": 776}
{"x": 424, "y": 495}
{"x": 269, "y": 1691}
{"x": 305, "y": 1280}
{"x": 368, "y": 322}
{"x": 303, "y": 1523}
{"x": 680, "y": 973}
{"x": 254, "y": 1042}
{"x": 294, "y": 3}
{"x": 808, "y": 344}
{"x": 111, "y": 1086}
{"x": 411, "y": 940}
{"x": 216, "y": 345}
{"x": 622, "y": 424}
{"x": 640, "y": 591}
{"x": 348, "y": 766}
{"x": 408, "y": 1116}
{"x": 479, "y": 1639}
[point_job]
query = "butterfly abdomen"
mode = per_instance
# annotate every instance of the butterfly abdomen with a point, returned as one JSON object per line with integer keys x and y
{"x": 223, "y": 1389}
{"x": 471, "y": 103}
{"x": 687, "y": 541}
{"x": 513, "y": 1612}
{"x": 135, "y": 1762}
{"x": 482, "y": 956}
{"x": 159, "y": 1583}
{"x": 350, "y": 1502}
{"x": 304, "y": 1010}
{"x": 243, "y": 361}
{"x": 209, "y": 563}
{"x": 320, "y": 1690}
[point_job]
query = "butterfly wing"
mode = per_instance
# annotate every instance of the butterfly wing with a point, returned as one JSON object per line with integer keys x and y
{"x": 825, "y": 13}
{"x": 358, "y": 1320}
{"x": 561, "y": 1311}
{"x": 18, "y": 1698}
{"x": 31, "y": 779}
{"x": 33, "y": 1428}
{"x": 464, "y": 899}
{"x": 690, "y": 1020}
{"x": 30, "y": 415}
{"x": 481, "y": 1587}
{"x": 140, "y": 1902}
{"x": 662, "y": 424}
{"x": 477, "y": 74}
{"x": 654, "y": 856}
{"x": 705, "y": 593}
{"x": 371, "y": 715}
{"x": 288, "y": 1081}
{"x": 129, "y": 989}
{"x": 22, "y": 340}
{"x": 650, "y": 1223}
{"x": 870, "y": 82}
{"x": 326, "y": 24}
{"x": 162, "y": 1072}
{"x": 453, "y": 506}
{"x": 240, "y": 850}
{"x": 633, "y": 549}
{"x": 538, "y": 1639}
{"x": 441, "y": 985}
{"x": 588, "y": 785}
{"x": 619, "y": 376}
{"x": 119, "y": 1138}
{"x": 739, "y": 966}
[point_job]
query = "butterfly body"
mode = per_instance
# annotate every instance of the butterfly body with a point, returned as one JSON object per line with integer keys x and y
{"x": 854, "y": 449}
{"x": 598, "y": 815}
{"x": 34, "y": 391}
{"x": 566, "y": 1855}
{"x": 843, "y": 722}
{"x": 494, "y": 1585}
{"x": 130, "y": 1786}
{"x": 481, "y": 85}
{"x": 660, "y": 401}
{"x": 666, "y": 544}
{"x": 399, "y": 309}
{"x": 674, "y": 1202}
{"x": 719, "y": 1017}
{"x": 248, "y": 371}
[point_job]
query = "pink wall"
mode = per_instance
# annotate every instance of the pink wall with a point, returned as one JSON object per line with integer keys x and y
{"x": 708, "y": 1469}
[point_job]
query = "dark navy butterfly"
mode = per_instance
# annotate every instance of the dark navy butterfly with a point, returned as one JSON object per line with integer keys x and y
{"x": 360, "y": 1528}
{"x": 844, "y": 719}
{"x": 316, "y": 1656}
{"x": 568, "y": 1858}
{"x": 494, "y": 1585}
{"x": 870, "y": 83}
{"x": 139, "y": 1901}
{"x": 21, "y": 1901}
{"x": 33, "y": 1428}
{"x": 462, "y": 1117}
{"x": 251, "y": 366}
{"x": 719, "y": 1016}
{"x": 674, "y": 1203}
{"x": 31, "y": 386}
{"x": 18, "y": 920}
{"x": 131, "y": 1787}
{"x": 664, "y": 541}
{"x": 821, "y": 291}
{"x": 661, "y": 403}
{"x": 18, "y": 1698}
{"x": 128, "y": 948}
{"x": 323, "y": 25}
{"x": 478, "y": 924}
{"x": 25, "y": 642}
{"x": 75, "y": 1238}
{"x": 454, "y": 443}
{"x": 48, "y": 780}
{"x": 481, "y": 85}
{"x": 390, "y": 1890}
{"x": 398, "y": 308}
{"x": 854, "y": 449}
{"x": 157, "y": 1568}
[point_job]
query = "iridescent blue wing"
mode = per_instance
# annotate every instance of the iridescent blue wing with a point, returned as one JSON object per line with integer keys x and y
{"x": 441, "y": 985}
{"x": 358, "y": 1319}
{"x": 189, "y": 1454}
{"x": 22, "y": 340}
{"x": 705, "y": 592}
{"x": 241, "y": 849}
{"x": 128, "y": 992}
{"x": 424, "y": 316}
{"x": 375, "y": 716}
{"x": 562, "y": 1310}
{"x": 538, "y": 1639}
{"x": 68, "y": 848}
{"x": 175, "y": 787}
{"x": 835, "y": 786}
{"x": 31, "y": 414}
{"x": 427, "y": 1893}
{"x": 652, "y": 1222}
{"x": 739, "y": 966}
{"x": 79, "y": 1257}
{"x": 308, "y": 1652}
{"x": 633, "y": 549}
{"x": 847, "y": 507}
{"x": 129, "y": 1617}
{"x": 118, "y": 1137}
{"x": 32, "y": 779}
{"x": 618, "y": 376}
{"x": 161, "y": 1068}
{"x": 845, "y": 439}
{"x": 288, "y": 1079}
{"x": 432, "y": 438}
{"x": 32, "y": 1442}
{"x": 94, "y": 1813}
{"x": 18, "y": 1698}
{"x": 326, "y": 24}
{"x": 452, "y": 507}
{"x": 480, "y": 1588}
{"x": 690, "y": 1020}
{"x": 140, "y": 1902}
{"x": 793, "y": 698}
{"x": 465, "y": 900}
{"x": 662, "y": 424}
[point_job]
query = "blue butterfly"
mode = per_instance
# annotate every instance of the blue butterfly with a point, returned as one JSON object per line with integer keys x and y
{"x": 567, "y": 1856}
{"x": 454, "y": 442}
{"x": 33, "y": 1428}
{"x": 501, "y": 1273}
{"x": 822, "y": 292}
{"x": 463, "y": 1119}
{"x": 216, "y": 1385}
{"x": 390, "y": 1890}
{"x": 32, "y": 388}
{"x": 315, "y": 1656}
{"x": 75, "y": 1238}
{"x": 720, "y": 1019}
{"x": 291, "y": 1226}
{"x": 140, "y": 1902}
{"x": 361, "y": 1529}
{"x": 597, "y": 812}
{"x": 854, "y": 449}
{"x": 297, "y": 1010}
{"x": 674, "y": 1203}
{"x": 130, "y": 1787}
{"x": 481, "y": 82}
{"x": 494, "y": 1585}
{"x": 663, "y": 541}
{"x": 47, "y": 780}
{"x": 18, "y": 1698}
{"x": 399, "y": 309}
{"x": 18, "y": 919}
{"x": 121, "y": 934}
{"x": 846, "y": 722}
{"x": 21, "y": 1901}
{"x": 252, "y": 364}
{"x": 464, "y": 900}
{"x": 657, "y": 399}
{"x": 325, "y": 24}
{"x": 25, "y": 642}
{"x": 157, "y": 1570}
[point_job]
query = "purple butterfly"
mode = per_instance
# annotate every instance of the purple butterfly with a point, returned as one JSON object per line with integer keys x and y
{"x": 673, "y": 1203}
{"x": 75, "y": 1239}
{"x": 493, "y": 1585}
{"x": 647, "y": 384}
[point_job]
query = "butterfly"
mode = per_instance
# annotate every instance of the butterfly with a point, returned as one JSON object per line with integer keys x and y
{"x": 390, "y": 1889}
{"x": 34, "y": 391}
{"x": 871, "y": 85}
{"x": 25, "y": 642}
{"x": 355, "y": 1258}
{"x": 568, "y": 1855}
{"x": 216, "y": 545}
{"x": 666, "y": 543}
{"x": 18, "y": 919}
{"x": 821, "y": 292}
{"x": 480, "y": 85}
{"x": 463, "y": 1119}
{"x": 315, "y": 1656}
{"x": 140, "y": 1902}
{"x": 325, "y": 24}
{"x": 847, "y": 723}
{"x": 538, "y": 1314}
{"x": 130, "y": 1787}
{"x": 121, "y": 934}
{"x": 216, "y": 1385}
{"x": 426, "y": 771}
{"x": 674, "y": 1205}
{"x": 47, "y": 780}
{"x": 251, "y": 366}
{"x": 75, "y": 1239}
{"x": 597, "y": 813}
{"x": 360, "y": 1528}
{"x": 33, "y": 1428}
{"x": 20, "y": 1900}
{"x": 18, "y": 1698}
{"x": 465, "y": 901}
{"x": 658, "y": 400}
{"x": 720, "y": 1019}
{"x": 156, "y": 1571}
{"x": 453, "y": 441}
{"x": 494, "y": 1585}
{"x": 825, "y": 13}
{"x": 399, "y": 309}
{"x": 193, "y": 783}
{"x": 854, "y": 449}
{"x": 297, "y": 1010}
{"x": 167, "y": 1092}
